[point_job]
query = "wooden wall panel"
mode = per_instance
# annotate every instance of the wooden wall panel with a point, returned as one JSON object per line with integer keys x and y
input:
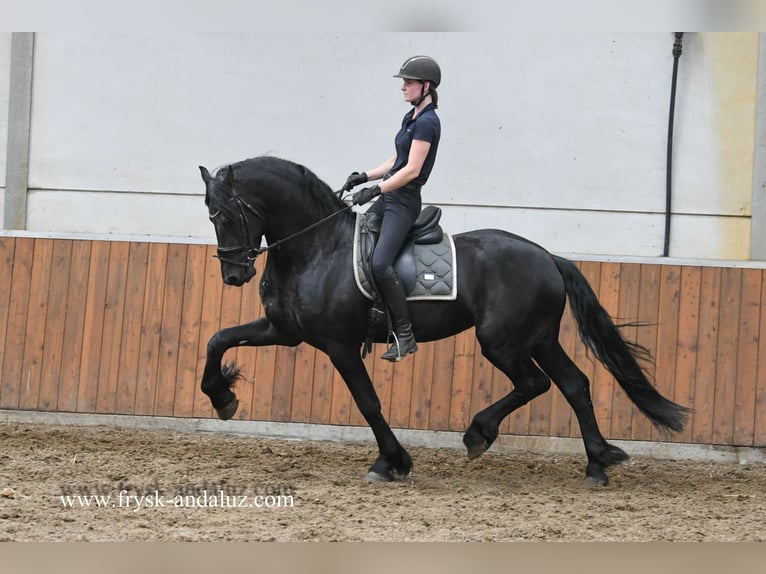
{"x": 93, "y": 336}
{"x": 114, "y": 314}
{"x": 123, "y": 327}
{"x": 747, "y": 360}
{"x": 687, "y": 343}
{"x": 759, "y": 401}
{"x": 667, "y": 333}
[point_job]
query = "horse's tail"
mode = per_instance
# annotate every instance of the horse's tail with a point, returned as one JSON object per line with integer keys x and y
{"x": 620, "y": 357}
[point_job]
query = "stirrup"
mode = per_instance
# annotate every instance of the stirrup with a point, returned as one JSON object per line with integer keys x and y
{"x": 394, "y": 353}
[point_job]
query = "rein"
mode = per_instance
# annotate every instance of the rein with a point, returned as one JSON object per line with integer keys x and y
{"x": 279, "y": 242}
{"x": 224, "y": 253}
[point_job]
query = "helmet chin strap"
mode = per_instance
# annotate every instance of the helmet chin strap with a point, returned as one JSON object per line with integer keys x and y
{"x": 422, "y": 95}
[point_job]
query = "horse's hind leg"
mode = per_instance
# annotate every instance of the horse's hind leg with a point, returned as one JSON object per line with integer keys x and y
{"x": 574, "y": 385}
{"x": 528, "y": 380}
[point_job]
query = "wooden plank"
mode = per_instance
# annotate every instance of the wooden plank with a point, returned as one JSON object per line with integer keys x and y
{"x": 460, "y": 401}
{"x": 321, "y": 390}
{"x": 74, "y": 327}
{"x": 401, "y": 392}
{"x": 667, "y": 334}
{"x": 151, "y": 329}
{"x": 130, "y": 345}
{"x": 648, "y": 311}
{"x": 187, "y": 376}
{"x": 284, "y": 379}
{"x": 263, "y": 385}
{"x": 7, "y": 250}
{"x": 54, "y": 325}
{"x": 341, "y": 401}
{"x": 726, "y": 359}
{"x": 686, "y": 347}
{"x": 707, "y": 351}
{"x": 441, "y": 386}
{"x": 759, "y": 434}
{"x": 305, "y": 356}
{"x": 481, "y": 384}
{"x": 423, "y": 369}
{"x": 32, "y": 365}
{"x": 93, "y": 335}
{"x": 746, "y": 378}
{"x": 622, "y": 408}
{"x": 114, "y": 317}
{"x": 18, "y": 316}
{"x": 210, "y": 323}
{"x": 170, "y": 331}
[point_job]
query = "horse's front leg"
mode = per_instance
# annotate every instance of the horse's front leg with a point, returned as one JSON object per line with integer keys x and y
{"x": 393, "y": 461}
{"x": 217, "y": 379}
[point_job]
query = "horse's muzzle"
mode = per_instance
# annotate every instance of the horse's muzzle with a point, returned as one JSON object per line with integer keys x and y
{"x": 238, "y": 276}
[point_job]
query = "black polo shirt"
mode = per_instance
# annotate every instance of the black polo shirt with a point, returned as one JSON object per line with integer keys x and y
{"x": 427, "y": 127}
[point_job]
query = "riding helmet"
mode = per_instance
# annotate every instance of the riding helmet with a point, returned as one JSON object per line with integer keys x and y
{"x": 423, "y": 68}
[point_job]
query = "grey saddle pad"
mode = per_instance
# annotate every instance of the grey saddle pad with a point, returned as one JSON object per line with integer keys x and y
{"x": 429, "y": 272}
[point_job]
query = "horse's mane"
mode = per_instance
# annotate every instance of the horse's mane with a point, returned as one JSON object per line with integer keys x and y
{"x": 273, "y": 168}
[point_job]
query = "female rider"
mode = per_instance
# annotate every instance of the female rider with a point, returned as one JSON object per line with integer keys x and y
{"x": 403, "y": 175}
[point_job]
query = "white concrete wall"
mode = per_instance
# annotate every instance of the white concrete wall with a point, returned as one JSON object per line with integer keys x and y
{"x": 558, "y": 137}
{"x": 5, "y": 68}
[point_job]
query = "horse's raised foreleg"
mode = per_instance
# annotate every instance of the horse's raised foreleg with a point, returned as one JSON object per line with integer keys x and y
{"x": 217, "y": 379}
{"x": 394, "y": 461}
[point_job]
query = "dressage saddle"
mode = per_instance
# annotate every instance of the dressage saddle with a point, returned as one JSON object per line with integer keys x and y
{"x": 425, "y": 231}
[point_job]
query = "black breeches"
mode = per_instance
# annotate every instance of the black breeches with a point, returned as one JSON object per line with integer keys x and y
{"x": 397, "y": 219}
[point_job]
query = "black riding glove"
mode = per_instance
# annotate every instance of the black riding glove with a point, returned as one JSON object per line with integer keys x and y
{"x": 355, "y": 179}
{"x": 364, "y": 195}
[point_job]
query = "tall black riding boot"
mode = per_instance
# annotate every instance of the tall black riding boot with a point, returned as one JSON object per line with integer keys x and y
{"x": 396, "y": 300}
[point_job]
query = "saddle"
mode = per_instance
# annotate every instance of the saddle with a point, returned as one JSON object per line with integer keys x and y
{"x": 425, "y": 264}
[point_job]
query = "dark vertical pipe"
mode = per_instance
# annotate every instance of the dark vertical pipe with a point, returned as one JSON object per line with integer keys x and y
{"x": 669, "y": 169}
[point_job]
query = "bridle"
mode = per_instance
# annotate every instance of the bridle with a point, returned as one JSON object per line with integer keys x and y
{"x": 224, "y": 253}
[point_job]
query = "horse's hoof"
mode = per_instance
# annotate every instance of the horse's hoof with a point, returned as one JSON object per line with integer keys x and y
{"x": 225, "y": 413}
{"x": 596, "y": 481}
{"x": 476, "y": 450}
{"x": 373, "y": 476}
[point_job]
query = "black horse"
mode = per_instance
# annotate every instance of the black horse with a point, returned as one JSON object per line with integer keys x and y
{"x": 512, "y": 290}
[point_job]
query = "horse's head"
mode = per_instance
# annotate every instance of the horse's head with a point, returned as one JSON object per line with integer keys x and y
{"x": 239, "y": 226}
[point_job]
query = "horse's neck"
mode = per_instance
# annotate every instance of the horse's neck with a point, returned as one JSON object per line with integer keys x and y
{"x": 303, "y": 236}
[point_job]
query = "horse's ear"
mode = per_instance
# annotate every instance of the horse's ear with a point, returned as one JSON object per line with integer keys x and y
{"x": 205, "y": 174}
{"x": 229, "y": 177}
